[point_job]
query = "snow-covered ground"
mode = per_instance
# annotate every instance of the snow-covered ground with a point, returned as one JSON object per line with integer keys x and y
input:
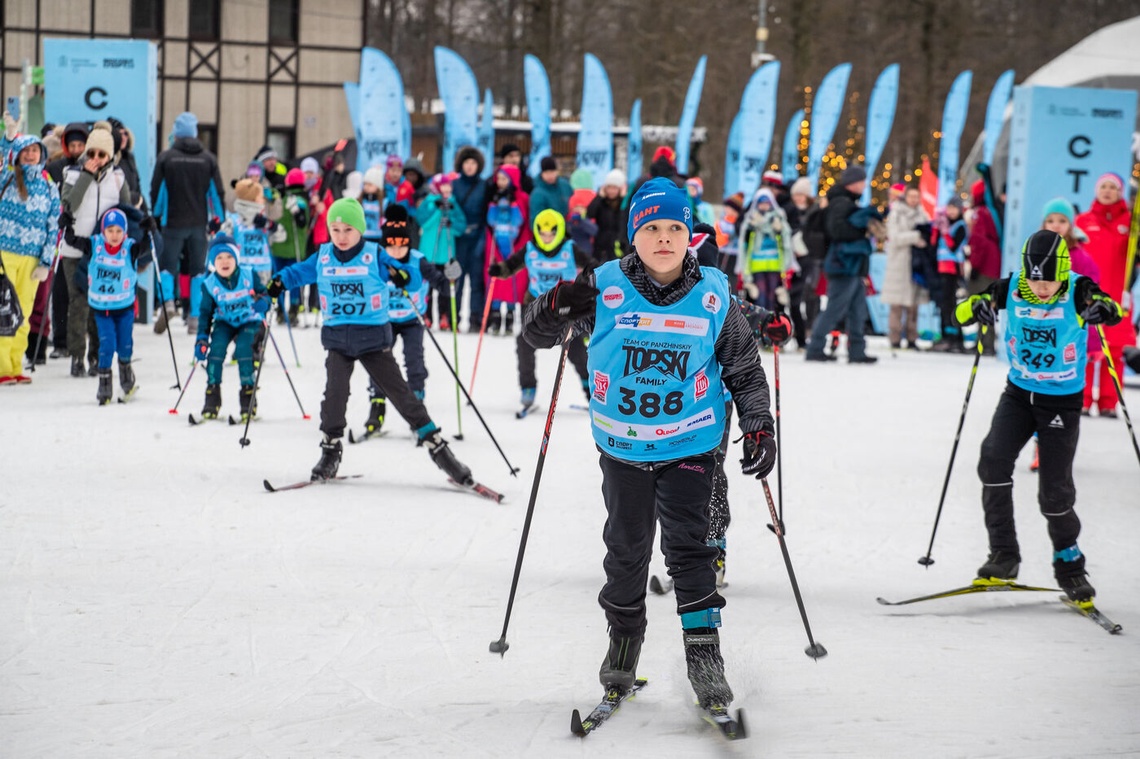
{"x": 156, "y": 602}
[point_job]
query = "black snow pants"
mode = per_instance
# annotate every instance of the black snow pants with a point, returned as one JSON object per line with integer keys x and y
{"x": 385, "y": 372}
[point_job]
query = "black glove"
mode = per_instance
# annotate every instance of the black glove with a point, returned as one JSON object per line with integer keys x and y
{"x": 573, "y": 300}
{"x": 214, "y": 225}
{"x": 260, "y": 221}
{"x": 399, "y": 277}
{"x": 983, "y": 311}
{"x": 497, "y": 270}
{"x": 275, "y": 287}
{"x": 1101, "y": 311}
{"x": 66, "y": 219}
{"x": 149, "y": 224}
{"x": 778, "y": 328}
{"x": 759, "y": 454}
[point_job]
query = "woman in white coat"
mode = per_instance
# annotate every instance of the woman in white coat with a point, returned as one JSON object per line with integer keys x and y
{"x": 900, "y": 291}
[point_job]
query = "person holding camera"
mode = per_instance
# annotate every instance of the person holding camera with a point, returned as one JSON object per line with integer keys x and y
{"x": 441, "y": 222}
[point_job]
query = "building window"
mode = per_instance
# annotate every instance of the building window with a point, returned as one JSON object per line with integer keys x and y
{"x": 146, "y": 19}
{"x": 205, "y": 19}
{"x": 282, "y": 139}
{"x": 283, "y": 21}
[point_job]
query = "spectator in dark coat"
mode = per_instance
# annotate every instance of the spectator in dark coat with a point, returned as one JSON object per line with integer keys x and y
{"x": 985, "y": 254}
{"x": 469, "y": 192}
{"x": 664, "y": 164}
{"x": 74, "y": 143}
{"x": 124, "y": 149}
{"x": 608, "y": 212}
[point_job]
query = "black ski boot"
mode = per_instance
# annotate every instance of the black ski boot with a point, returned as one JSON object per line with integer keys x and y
{"x": 1001, "y": 565}
{"x": 376, "y": 409}
{"x": 126, "y": 378}
{"x": 706, "y": 667}
{"x": 326, "y": 468}
{"x": 1072, "y": 578}
{"x": 77, "y": 367}
{"x": 213, "y": 402}
{"x": 509, "y": 324}
{"x": 619, "y": 668}
{"x": 444, "y": 459}
{"x": 248, "y": 402}
{"x": 495, "y": 322}
{"x": 103, "y": 394}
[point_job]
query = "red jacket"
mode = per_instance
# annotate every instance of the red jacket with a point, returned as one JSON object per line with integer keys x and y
{"x": 985, "y": 248}
{"x": 1107, "y": 228}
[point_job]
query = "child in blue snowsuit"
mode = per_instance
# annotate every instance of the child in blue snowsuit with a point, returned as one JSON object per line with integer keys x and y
{"x": 352, "y": 277}
{"x": 231, "y": 309}
{"x": 108, "y": 272}
{"x": 403, "y": 308}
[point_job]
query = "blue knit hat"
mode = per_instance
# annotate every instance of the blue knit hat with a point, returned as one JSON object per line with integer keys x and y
{"x": 113, "y": 218}
{"x": 223, "y": 243}
{"x": 659, "y": 198}
{"x": 186, "y": 125}
{"x": 1061, "y": 206}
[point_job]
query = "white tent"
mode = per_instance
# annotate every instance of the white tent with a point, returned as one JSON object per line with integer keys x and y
{"x": 1109, "y": 58}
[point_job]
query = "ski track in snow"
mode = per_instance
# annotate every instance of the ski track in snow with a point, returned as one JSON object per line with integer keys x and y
{"x": 155, "y": 601}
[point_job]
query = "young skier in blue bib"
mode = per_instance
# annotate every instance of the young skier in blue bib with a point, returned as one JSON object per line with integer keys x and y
{"x": 352, "y": 277}
{"x": 108, "y": 272}
{"x": 1047, "y": 309}
{"x": 549, "y": 258}
{"x": 231, "y": 309}
{"x": 664, "y": 334}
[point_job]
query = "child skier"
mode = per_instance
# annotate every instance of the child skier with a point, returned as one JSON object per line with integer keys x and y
{"x": 549, "y": 258}
{"x": 1047, "y": 307}
{"x": 765, "y": 242}
{"x": 403, "y": 307}
{"x": 507, "y": 233}
{"x": 663, "y": 335}
{"x": 108, "y": 272}
{"x": 231, "y": 310}
{"x": 372, "y": 201}
{"x": 291, "y": 247}
{"x": 952, "y": 236}
{"x": 352, "y": 278}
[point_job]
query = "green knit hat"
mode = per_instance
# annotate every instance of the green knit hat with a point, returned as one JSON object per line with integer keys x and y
{"x": 347, "y": 211}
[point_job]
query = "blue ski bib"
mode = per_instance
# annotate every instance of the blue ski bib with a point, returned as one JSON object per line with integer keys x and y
{"x": 1047, "y": 347}
{"x": 655, "y": 386}
{"x": 111, "y": 277}
{"x": 354, "y": 292}
{"x": 403, "y": 309}
{"x": 234, "y": 307}
{"x": 547, "y": 271}
{"x": 373, "y": 210}
{"x": 254, "y": 245}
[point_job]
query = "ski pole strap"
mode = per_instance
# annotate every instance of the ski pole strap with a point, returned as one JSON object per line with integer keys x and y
{"x": 705, "y": 618}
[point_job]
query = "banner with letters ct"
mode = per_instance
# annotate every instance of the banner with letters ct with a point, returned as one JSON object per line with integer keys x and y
{"x": 1062, "y": 139}
{"x": 93, "y": 80}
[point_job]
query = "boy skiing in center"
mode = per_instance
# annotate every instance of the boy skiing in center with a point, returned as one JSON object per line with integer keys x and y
{"x": 352, "y": 278}
{"x": 663, "y": 336}
{"x": 1047, "y": 307}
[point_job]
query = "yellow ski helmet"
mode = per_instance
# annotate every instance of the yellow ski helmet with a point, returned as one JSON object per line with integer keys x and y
{"x": 549, "y": 220}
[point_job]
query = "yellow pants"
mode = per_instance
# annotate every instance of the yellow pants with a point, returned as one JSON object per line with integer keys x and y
{"x": 19, "y": 270}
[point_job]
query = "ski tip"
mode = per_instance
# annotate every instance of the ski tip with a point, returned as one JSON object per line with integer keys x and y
{"x": 656, "y": 586}
{"x": 351, "y": 438}
{"x": 741, "y": 725}
{"x": 884, "y": 601}
{"x": 576, "y": 724}
{"x": 268, "y": 487}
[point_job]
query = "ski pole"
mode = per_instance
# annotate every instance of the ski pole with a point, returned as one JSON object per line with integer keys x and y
{"x": 500, "y": 646}
{"x": 419, "y": 317}
{"x": 281, "y": 358}
{"x": 455, "y": 352}
{"x": 184, "y": 388}
{"x": 1119, "y": 388}
{"x": 779, "y": 444}
{"x": 926, "y": 561}
{"x": 46, "y": 315}
{"x": 244, "y": 439}
{"x": 162, "y": 299}
{"x": 479, "y": 346}
{"x": 814, "y": 650}
{"x": 289, "y": 328}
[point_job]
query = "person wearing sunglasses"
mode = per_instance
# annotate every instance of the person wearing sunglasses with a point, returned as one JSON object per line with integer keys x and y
{"x": 90, "y": 188}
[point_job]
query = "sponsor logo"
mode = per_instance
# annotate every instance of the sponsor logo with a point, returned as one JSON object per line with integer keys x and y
{"x": 602, "y": 422}
{"x": 671, "y": 363}
{"x": 645, "y": 212}
{"x": 660, "y": 323}
{"x": 691, "y": 468}
{"x": 341, "y": 289}
{"x": 666, "y": 431}
{"x": 1070, "y": 353}
{"x": 682, "y": 441}
{"x": 702, "y": 385}
{"x": 634, "y": 321}
{"x": 1040, "y": 336}
{"x": 1057, "y": 423}
{"x": 612, "y": 297}
{"x": 702, "y": 421}
{"x": 601, "y": 386}
{"x": 129, "y": 63}
{"x": 621, "y": 445}
{"x": 366, "y": 258}
{"x": 1029, "y": 312}
{"x": 711, "y": 303}
{"x": 650, "y": 447}
{"x": 325, "y": 258}
{"x": 375, "y": 302}
{"x": 631, "y": 432}
{"x": 1107, "y": 113}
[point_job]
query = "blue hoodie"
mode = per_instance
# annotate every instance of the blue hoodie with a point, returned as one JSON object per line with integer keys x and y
{"x": 27, "y": 227}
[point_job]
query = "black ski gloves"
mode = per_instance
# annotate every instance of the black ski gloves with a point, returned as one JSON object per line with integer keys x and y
{"x": 275, "y": 287}
{"x": 573, "y": 300}
{"x": 778, "y": 328}
{"x": 759, "y": 454}
{"x": 399, "y": 277}
{"x": 497, "y": 270}
{"x": 1102, "y": 310}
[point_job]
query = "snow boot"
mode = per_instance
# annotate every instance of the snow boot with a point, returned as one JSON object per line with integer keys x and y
{"x": 248, "y": 402}
{"x": 1001, "y": 565}
{"x": 168, "y": 311}
{"x": 78, "y": 369}
{"x": 444, "y": 459}
{"x": 376, "y": 411}
{"x": 126, "y": 378}
{"x": 509, "y": 324}
{"x": 327, "y": 467}
{"x": 213, "y": 402}
{"x": 495, "y": 322}
{"x": 103, "y": 394}
{"x": 706, "y": 666}
{"x": 1069, "y": 569}
{"x": 619, "y": 668}
{"x": 526, "y": 398}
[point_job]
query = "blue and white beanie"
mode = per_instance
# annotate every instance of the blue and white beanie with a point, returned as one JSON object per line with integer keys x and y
{"x": 222, "y": 243}
{"x": 659, "y": 198}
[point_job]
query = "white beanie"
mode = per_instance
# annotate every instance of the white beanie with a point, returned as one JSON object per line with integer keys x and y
{"x": 353, "y": 184}
{"x": 802, "y": 186}
{"x": 616, "y": 177}
{"x": 374, "y": 176}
